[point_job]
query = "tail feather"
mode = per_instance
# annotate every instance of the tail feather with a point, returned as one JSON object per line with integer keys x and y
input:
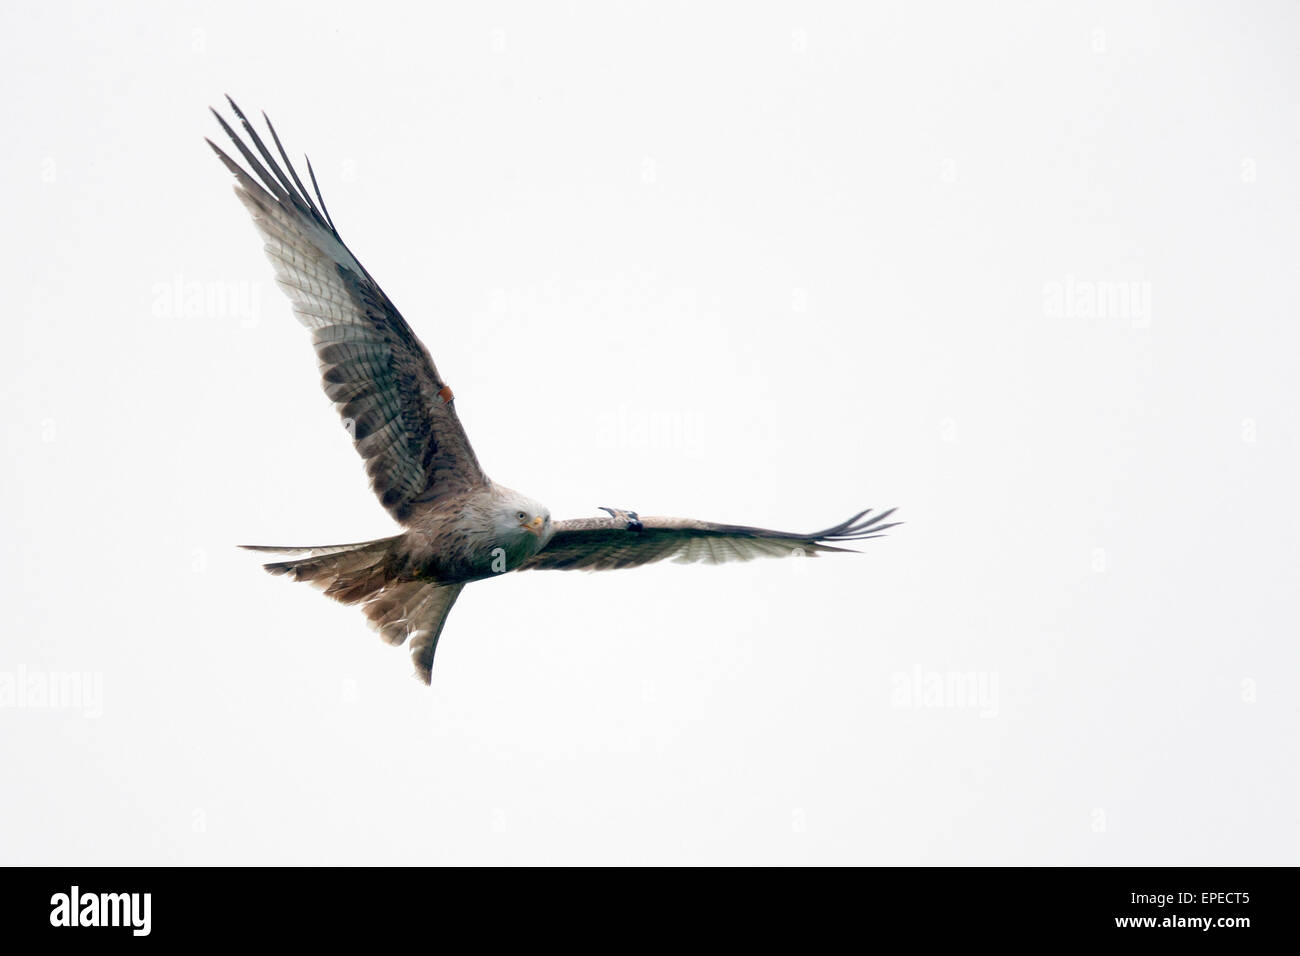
{"x": 366, "y": 573}
{"x": 390, "y": 609}
{"x": 311, "y": 551}
{"x": 346, "y": 572}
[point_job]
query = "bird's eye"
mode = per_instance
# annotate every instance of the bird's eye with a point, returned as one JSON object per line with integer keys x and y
{"x": 522, "y": 516}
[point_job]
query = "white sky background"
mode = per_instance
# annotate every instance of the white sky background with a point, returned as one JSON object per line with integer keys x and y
{"x": 767, "y": 266}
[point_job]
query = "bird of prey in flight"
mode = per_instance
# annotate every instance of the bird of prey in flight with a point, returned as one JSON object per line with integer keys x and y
{"x": 461, "y": 526}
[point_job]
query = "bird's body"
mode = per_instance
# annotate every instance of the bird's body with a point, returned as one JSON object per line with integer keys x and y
{"x": 461, "y": 527}
{"x": 456, "y": 540}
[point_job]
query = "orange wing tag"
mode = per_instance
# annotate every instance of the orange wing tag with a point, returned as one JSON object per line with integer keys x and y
{"x": 445, "y": 394}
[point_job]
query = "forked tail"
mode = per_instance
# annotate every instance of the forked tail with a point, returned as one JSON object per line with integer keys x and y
{"x": 366, "y": 573}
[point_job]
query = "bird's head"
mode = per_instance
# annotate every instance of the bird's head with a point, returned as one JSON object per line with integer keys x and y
{"x": 523, "y": 522}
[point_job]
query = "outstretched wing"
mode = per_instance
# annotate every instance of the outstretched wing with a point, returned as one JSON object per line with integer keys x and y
{"x": 378, "y": 374}
{"x": 605, "y": 544}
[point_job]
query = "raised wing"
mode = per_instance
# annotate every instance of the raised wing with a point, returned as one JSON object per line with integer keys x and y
{"x": 606, "y": 544}
{"x": 378, "y": 374}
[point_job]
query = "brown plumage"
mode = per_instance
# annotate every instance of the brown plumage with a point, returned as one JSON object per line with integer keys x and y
{"x": 461, "y": 525}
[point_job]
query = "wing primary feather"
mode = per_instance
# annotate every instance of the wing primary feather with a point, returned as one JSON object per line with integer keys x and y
{"x": 269, "y": 183}
{"x": 230, "y": 164}
{"x": 280, "y": 177}
{"x": 855, "y": 529}
{"x": 289, "y": 166}
{"x": 321, "y": 199}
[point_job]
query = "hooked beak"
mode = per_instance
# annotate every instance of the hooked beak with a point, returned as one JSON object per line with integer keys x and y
{"x": 534, "y": 527}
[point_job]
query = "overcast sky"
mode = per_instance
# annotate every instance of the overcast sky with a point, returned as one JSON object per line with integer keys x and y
{"x": 1027, "y": 273}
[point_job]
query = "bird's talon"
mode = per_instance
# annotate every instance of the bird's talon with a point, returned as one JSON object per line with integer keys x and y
{"x": 631, "y": 517}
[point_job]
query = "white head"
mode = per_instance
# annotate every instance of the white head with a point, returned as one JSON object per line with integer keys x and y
{"x": 520, "y": 524}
